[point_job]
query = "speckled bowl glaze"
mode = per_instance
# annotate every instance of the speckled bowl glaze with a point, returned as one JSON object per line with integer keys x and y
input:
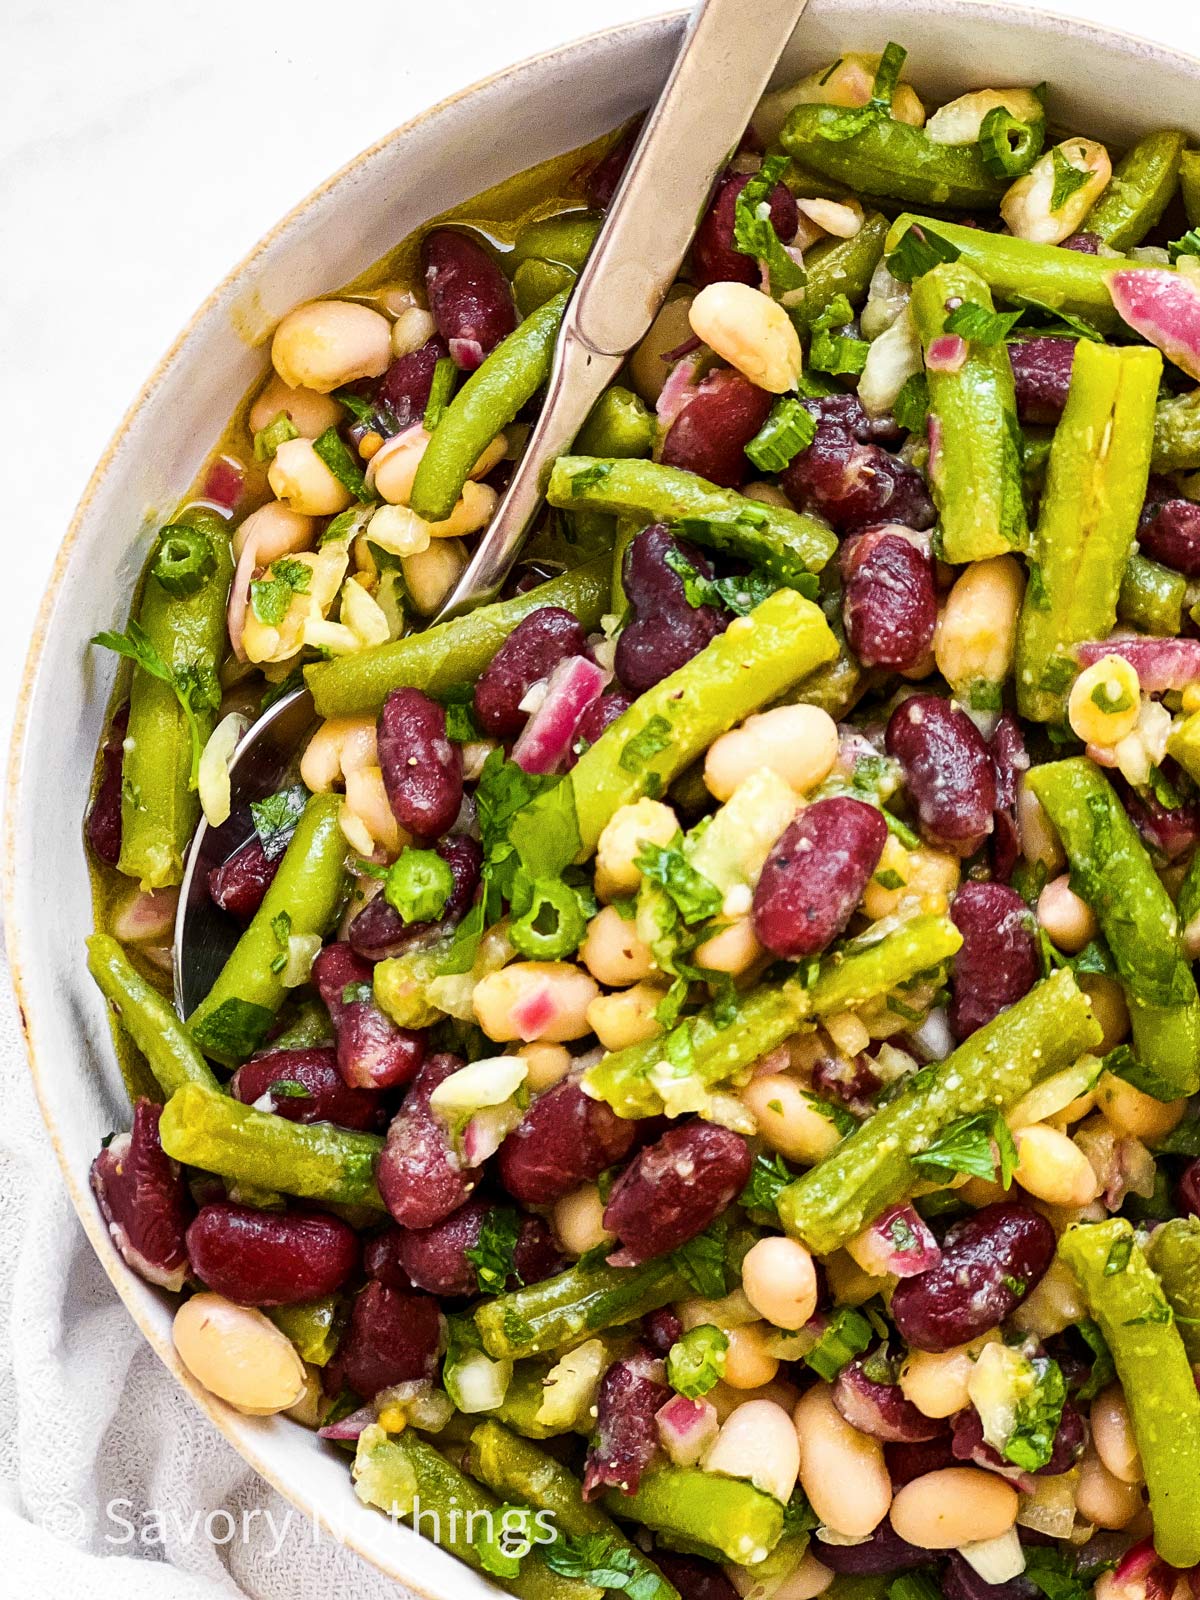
{"x": 1106, "y": 83}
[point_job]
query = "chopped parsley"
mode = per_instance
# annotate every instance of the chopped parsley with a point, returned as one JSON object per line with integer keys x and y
{"x": 754, "y": 233}
{"x": 696, "y": 1362}
{"x": 492, "y": 1255}
{"x": 1068, "y": 179}
{"x": 194, "y": 683}
{"x": 976, "y": 1145}
{"x": 979, "y": 325}
{"x": 275, "y": 818}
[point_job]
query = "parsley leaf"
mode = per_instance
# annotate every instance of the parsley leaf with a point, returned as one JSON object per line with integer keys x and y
{"x": 694, "y": 897}
{"x": 981, "y": 326}
{"x": 288, "y": 1089}
{"x": 832, "y": 351}
{"x": 701, "y": 1262}
{"x": 281, "y": 927}
{"x": 460, "y": 723}
{"x": 492, "y": 1255}
{"x": 275, "y": 818}
{"x": 918, "y": 250}
{"x": 598, "y": 1559}
{"x": 911, "y": 406}
{"x": 1068, "y": 179}
{"x": 1037, "y": 1416}
{"x": 194, "y": 683}
{"x": 1188, "y": 245}
{"x": 754, "y": 233}
{"x": 234, "y": 1030}
{"x": 739, "y": 594}
{"x": 697, "y": 1361}
{"x": 645, "y": 745}
{"x": 1103, "y": 1367}
{"x": 975, "y": 1145}
{"x": 1052, "y": 1571}
{"x": 271, "y": 597}
{"x": 769, "y": 1177}
{"x": 330, "y": 449}
{"x": 1118, "y": 1257}
{"x": 278, "y": 431}
{"x": 1052, "y": 320}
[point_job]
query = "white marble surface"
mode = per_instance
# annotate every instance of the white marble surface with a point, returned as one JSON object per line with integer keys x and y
{"x": 144, "y": 148}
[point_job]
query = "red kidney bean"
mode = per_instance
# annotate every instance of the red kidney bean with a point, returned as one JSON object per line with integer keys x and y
{"x": 1168, "y": 832}
{"x": 381, "y": 1258}
{"x": 379, "y": 931}
{"x": 601, "y": 180}
{"x": 563, "y": 1140}
{"x": 391, "y": 1338}
{"x": 998, "y": 960}
{"x": 853, "y": 484}
{"x": 144, "y": 1200}
{"x": 990, "y": 1262}
{"x": 846, "y": 411}
{"x": 695, "y": 1578}
{"x": 372, "y": 1052}
{"x": 270, "y": 1258}
{"x": 422, "y": 767}
{"x": 601, "y": 714}
{"x": 1087, "y": 244}
{"x": 239, "y": 884}
{"x": 1042, "y": 373}
{"x": 1171, "y": 534}
{"x": 436, "y": 1258}
{"x": 103, "y": 826}
{"x": 855, "y": 1083}
{"x": 715, "y": 259}
{"x": 815, "y": 875}
{"x": 889, "y": 603}
{"x": 405, "y": 386}
{"x": 469, "y": 296}
{"x": 419, "y": 1176}
{"x": 1189, "y": 1189}
{"x": 908, "y": 1461}
{"x": 1009, "y": 760}
{"x": 718, "y": 420}
{"x": 666, "y": 632}
{"x": 880, "y": 1409}
{"x": 947, "y": 770}
{"x": 626, "y": 1440}
{"x": 660, "y": 1330}
{"x": 327, "y": 1097}
{"x": 673, "y": 1189}
{"x": 530, "y": 653}
{"x": 960, "y": 1581}
{"x": 1070, "y": 1439}
{"x": 885, "y": 1551}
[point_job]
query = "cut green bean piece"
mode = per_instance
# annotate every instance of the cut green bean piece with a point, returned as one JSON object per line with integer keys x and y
{"x": 1183, "y": 743}
{"x": 405, "y": 1476}
{"x": 313, "y": 1326}
{"x": 148, "y": 1018}
{"x": 304, "y": 897}
{"x": 1189, "y": 183}
{"x": 1111, "y": 870}
{"x": 519, "y": 1472}
{"x": 892, "y": 159}
{"x": 756, "y": 660}
{"x": 1020, "y": 271}
{"x": 726, "y": 1515}
{"x": 1174, "y": 1253}
{"x": 1048, "y": 1029}
{"x": 841, "y": 266}
{"x": 976, "y": 456}
{"x": 1177, "y": 433}
{"x": 1151, "y": 597}
{"x": 1095, "y": 490}
{"x": 1143, "y": 185}
{"x": 619, "y": 425}
{"x": 1136, "y": 1319}
{"x": 452, "y": 653}
{"x": 788, "y": 544}
{"x": 317, "y": 1161}
{"x": 160, "y": 804}
{"x": 639, "y": 1082}
{"x": 566, "y": 1308}
{"x": 489, "y": 400}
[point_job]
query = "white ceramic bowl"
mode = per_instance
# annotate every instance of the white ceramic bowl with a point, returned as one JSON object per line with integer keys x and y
{"x": 1104, "y": 83}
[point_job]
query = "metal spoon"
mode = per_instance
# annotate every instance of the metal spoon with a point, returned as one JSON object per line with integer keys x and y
{"x": 728, "y": 53}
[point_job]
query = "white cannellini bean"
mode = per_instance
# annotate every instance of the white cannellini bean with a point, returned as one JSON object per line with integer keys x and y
{"x": 953, "y": 1507}
{"x": 310, "y": 413}
{"x": 787, "y": 1120}
{"x": 758, "y": 1442}
{"x": 534, "y": 1000}
{"x": 959, "y": 121}
{"x": 780, "y": 1281}
{"x": 1027, "y": 206}
{"x": 799, "y": 743}
{"x": 239, "y": 1355}
{"x": 842, "y": 1471}
{"x": 1112, "y": 1436}
{"x": 303, "y": 482}
{"x": 937, "y": 1382}
{"x": 619, "y": 1020}
{"x": 627, "y": 830}
{"x": 429, "y": 575}
{"x": 749, "y": 330}
{"x": 1053, "y": 1168}
{"x": 842, "y": 218}
{"x": 612, "y": 951}
{"x": 1131, "y": 1111}
{"x": 340, "y": 745}
{"x": 578, "y": 1220}
{"x": 976, "y": 634}
{"x": 413, "y": 327}
{"x": 275, "y": 530}
{"x": 1068, "y": 920}
{"x": 327, "y": 343}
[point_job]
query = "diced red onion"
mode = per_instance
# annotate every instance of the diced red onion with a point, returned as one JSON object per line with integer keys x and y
{"x": 224, "y": 483}
{"x": 898, "y": 1242}
{"x": 1160, "y": 664}
{"x": 675, "y": 391}
{"x": 946, "y": 353}
{"x": 686, "y": 1428}
{"x": 547, "y": 737}
{"x": 1164, "y": 307}
{"x": 349, "y": 1427}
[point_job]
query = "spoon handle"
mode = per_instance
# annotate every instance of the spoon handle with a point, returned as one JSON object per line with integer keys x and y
{"x": 728, "y": 53}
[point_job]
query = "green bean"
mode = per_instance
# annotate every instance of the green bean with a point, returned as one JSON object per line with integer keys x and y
{"x": 840, "y": 684}
{"x": 547, "y": 257}
{"x": 892, "y": 159}
{"x": 726, "y": 1515}
{"x": 753, "y": 662}
{"x": 1177, "y": 433}
{"x": 405, "y": 1476}
{"x": 1095, "y": 489}
{"x": 1183, "y": 743}
{"x": 1173, "y": 1251}
{"x": 519, "y": 1472}
{"x": 841, "y": 266}
{"x": 1151, "y": 597}
{"x": 582, "y": 1300}
{"x": 489, "y": 400}
{"x": 304, "y": 897}
{"x": 309, "y": 1028}
{"x": 317, "y": 1161}
{"x": 160, "y": 805}
{"x": 620, "y": 424}
{"x": 1112, "y": 871}
{"x": 1189, "y": 183}
{"x": 1136, "y": 1319}
{"x": 789, "y": 544}
{"x": 633, "y": 1081}
{"x": 1143, "y": 185}
{"x": 453, "y": 653}
{"x": 1046, "y": 1030}
{"x": 1015, "y": 269}
{"x": 147, "y": 1017}
{"x": 313, "y": 1326}
{"x": 975, "y": 464}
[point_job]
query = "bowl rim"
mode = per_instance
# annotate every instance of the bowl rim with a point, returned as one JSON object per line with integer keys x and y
{"x": 224, "y": 1418}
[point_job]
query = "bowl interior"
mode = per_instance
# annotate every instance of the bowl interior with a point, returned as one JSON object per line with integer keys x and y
{"x": 1104, "y": 83}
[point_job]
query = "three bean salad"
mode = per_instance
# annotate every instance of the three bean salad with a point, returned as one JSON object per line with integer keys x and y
{"x": 704, "y": 1099}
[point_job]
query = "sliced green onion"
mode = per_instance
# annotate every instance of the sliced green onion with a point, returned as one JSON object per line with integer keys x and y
{"x": 184, "y": 558}
{"x": 440, "y": 390}
{"x": 341, "y": 463}
{"x": 554, "y": 924}
{"x": 848, "y": 1335}
{"x": 789, "y": 429}
{"x": 278, "y": 431}
{"x": 1008, "y": 147}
